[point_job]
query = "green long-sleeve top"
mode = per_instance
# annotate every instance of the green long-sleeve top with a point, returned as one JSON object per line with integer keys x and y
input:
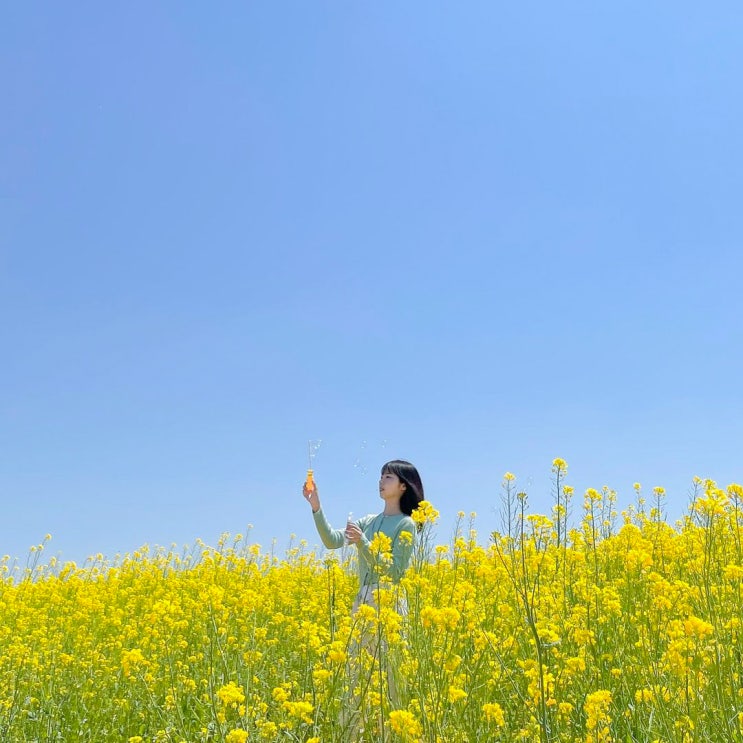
{"x": 369, "y": 567}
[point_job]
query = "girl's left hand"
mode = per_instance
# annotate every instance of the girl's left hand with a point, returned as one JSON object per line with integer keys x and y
{"x": 353, "y": 533}
{"x": 312, "y": 496}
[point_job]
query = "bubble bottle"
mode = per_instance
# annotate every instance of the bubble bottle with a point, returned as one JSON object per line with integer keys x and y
{"x": 349, "y": 521}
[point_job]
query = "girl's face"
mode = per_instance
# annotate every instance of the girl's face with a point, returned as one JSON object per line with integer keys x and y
{"x": 390, "y": 487}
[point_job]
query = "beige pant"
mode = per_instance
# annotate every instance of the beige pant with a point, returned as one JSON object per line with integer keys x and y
{"x": 373, "y": 643}
{"x": 368, "y": 595}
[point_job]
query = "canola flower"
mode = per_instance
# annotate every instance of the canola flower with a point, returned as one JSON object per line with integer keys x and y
{"x": 618, "y": 627}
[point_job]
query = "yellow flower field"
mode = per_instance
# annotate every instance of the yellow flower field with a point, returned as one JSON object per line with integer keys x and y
{"x": 581, "y": 625}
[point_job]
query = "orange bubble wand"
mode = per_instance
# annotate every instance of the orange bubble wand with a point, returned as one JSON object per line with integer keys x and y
{"x": 312, "y": 447}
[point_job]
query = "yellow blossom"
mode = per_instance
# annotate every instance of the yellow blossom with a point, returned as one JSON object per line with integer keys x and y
{"x": 300, "y": 709}
{"x": 405, "y": 724}
{"x": 280, "y": 694}
{"x": 424, "y": 514}
{"x": 231, "y": 695}
{"x": 494, "y": 714}
{"x": 456, "y": 694}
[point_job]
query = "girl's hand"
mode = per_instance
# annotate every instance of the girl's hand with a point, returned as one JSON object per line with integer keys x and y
{"x": 353, "y": 533}
{"x": 311, "y": 496}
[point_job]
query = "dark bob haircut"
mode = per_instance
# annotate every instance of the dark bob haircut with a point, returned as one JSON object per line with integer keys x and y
{"x": 408, "y": 475}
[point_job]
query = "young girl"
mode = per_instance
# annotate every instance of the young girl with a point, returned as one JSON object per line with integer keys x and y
{"x": 401, "y": 489}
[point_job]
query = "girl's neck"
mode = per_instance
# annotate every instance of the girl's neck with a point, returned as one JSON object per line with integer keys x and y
{"x": 391, "y": 509}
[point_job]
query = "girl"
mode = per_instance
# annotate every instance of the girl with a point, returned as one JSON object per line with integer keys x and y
{"x": 401, "y": 489}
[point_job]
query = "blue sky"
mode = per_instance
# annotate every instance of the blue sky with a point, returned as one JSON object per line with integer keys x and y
{"x": 477, "y": 236}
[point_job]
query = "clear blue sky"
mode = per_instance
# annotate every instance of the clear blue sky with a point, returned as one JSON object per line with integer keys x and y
{"x": 487, "y": 234}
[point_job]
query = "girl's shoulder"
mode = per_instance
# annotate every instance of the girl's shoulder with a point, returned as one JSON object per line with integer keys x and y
{"x": 407, "y": 523}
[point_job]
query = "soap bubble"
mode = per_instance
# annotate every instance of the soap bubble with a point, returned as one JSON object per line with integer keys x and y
{"x": 360, "y": 463}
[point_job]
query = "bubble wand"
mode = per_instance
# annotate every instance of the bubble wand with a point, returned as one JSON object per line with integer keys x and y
{"x": 312, "y": 447}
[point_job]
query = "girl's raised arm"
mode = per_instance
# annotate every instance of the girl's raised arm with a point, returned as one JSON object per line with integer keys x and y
{"x": 332, "y": 538}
